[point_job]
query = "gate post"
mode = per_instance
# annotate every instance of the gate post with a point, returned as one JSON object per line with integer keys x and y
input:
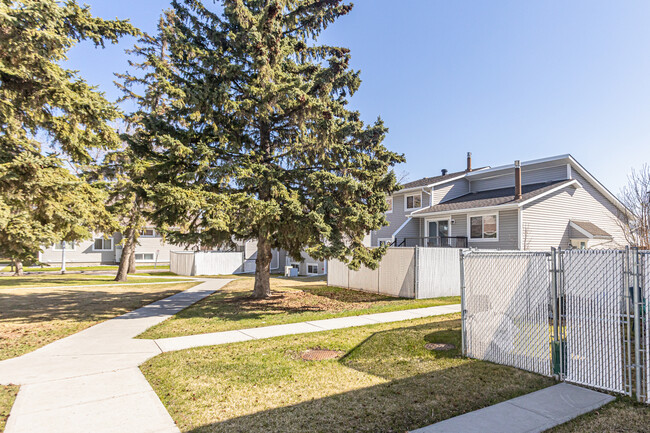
{"x": 556, "y": 350}
{"x": 637, "y": 322}
{"x": 628, "y": 298}
{"x": 462, "y": 302}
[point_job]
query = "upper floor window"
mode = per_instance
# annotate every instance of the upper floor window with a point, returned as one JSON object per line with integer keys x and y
{"x": 483, "y": 227}
{"x": 389, "y": 202}
{"x": 148, "y": 232}
{"x": 101, "y": 244}
{"x": 413, "y": 201}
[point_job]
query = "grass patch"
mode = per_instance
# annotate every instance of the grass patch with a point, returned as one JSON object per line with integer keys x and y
{"x": 623, "y": 415}
{"x": 7, "y": 397}
{"x": 294, "y": 300}
{"x": 386, "y": 381}
{"x": 78, "y": 268}
{"x": 31, "y": 318}
{"x": 69, "y": 280}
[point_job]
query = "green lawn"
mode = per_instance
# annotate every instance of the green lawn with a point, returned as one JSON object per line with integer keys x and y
{"x": 7, "y": 397}
{"x": 33, "y": 317}
{"x": 620, "y": 416}
{"x": 294, "y": 300}
{"x": 70, "y": 280}
{"x": 386, "y": 381}
{"x": 79, "y": 268}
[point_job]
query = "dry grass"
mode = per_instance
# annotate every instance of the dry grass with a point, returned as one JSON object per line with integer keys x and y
{"x": 7, "y": 397}
{"x": 294, "y": 300}
{"x": 45, "y": 280}
{"x": 620, "y": 416}
{"x": 386, "y": 382}
{"x": 31, "y": 318}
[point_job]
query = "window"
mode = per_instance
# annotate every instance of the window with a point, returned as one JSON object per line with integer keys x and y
{"x": 148, "y": 233}
{"x": 312, "y": 269}
{"x": 69, "y": 246}
{"x": 389, "y": 202}
{"x": 413, "y": 201}
{"x": 483, "y": 227}
{"x": 101, "y": 244}
{"x": 144, "y": 257}
{"x": 295, "y": 265}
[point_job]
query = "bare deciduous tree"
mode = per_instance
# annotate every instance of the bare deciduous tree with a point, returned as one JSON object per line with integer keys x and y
{"x": 636, "y": 197}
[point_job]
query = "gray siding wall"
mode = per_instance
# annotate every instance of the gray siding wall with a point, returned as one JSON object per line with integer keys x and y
{"x": 508, "y": 229}
{"x": 397, "y": 217}
{"x": 545, "y": 223}
{"x": 450, "y": 191}
{"x": 529, "y": 175}
{"x": 304, "y": 260}
{"x": 82, "y": 254}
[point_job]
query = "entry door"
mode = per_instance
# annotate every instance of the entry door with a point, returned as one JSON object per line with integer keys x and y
{"x": 438, "y": 231}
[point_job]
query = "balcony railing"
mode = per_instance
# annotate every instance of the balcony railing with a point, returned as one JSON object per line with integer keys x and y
{"x": 435, "y": 241}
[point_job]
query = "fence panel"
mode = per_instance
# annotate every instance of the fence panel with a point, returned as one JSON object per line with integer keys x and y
{"x": 592, "y": 293}
{"x": 181, "y": 262}
{"x": 218, "y": 262}
{"x": 337, "y": 273}
{"x": 438, "y": 272}
{"x": 397, "y": 273}
{"x": 506, "y": 303}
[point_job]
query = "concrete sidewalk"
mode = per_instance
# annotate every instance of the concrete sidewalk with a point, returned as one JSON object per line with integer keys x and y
{"x": 534, "y": 412}
{"x": 215, "y": 338}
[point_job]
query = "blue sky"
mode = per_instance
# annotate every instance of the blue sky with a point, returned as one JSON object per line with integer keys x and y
{"x": 505, "y": 80}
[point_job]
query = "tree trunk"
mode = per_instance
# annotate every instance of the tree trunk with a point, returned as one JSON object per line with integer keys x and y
{"x": 263, "y": 269}
{"x": 19, "y": 268}
{"x": 132, "y": 262}
{"x": 127, "y": 252}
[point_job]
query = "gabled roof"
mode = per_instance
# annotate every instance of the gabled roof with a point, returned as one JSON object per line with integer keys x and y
{"x": 496, "y": 197}
{"x": 590, "y": 230}
{"x": 426, "y": 181}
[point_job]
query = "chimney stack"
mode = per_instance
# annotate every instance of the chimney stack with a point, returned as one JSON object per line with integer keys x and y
{"x": 469, "y": 161}
{"x": 444, "y": 171}
{"x": 517, "y": 180}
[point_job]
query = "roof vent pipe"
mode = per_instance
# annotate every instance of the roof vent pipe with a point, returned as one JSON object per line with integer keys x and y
{"x": 469, "y": 161}
{"x": 444, "y": 171}
{"x": 517, "y": 180}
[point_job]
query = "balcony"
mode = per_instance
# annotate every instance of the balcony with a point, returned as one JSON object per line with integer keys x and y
{"x": 432, "y": 242}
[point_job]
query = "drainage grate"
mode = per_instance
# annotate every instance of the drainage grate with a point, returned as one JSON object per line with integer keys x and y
{"x": 439, "y": 346}
{"x": 320, "y": 354}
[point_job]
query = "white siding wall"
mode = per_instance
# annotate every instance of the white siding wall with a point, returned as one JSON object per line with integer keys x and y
{"x": 545, "y": 223}
{"x": 529, "y": 175}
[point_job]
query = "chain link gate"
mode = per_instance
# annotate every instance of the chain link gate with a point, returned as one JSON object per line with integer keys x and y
{"x": 577, "y": 314}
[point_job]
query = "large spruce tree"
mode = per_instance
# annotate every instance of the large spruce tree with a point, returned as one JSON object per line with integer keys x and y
{"x": 244, "y": 119}
{"x": 41, "y": 201}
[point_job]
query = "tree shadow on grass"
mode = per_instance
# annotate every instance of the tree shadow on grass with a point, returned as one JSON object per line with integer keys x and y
{"x": 410, "y": 398}
{"x": 63, "y": 304}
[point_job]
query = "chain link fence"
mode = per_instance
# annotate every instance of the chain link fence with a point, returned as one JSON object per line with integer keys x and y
{"x": 580, "y": 315}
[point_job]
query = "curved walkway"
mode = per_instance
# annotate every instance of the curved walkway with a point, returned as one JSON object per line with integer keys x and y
{"x": 90, "y": 381}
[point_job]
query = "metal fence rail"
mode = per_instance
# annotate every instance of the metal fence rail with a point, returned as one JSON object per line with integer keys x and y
{"x": 506, "y": 303}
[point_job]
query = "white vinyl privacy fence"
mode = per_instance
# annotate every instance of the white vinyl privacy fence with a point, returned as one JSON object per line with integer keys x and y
{"x": 206, "y": 262}
{"x": 405, "y": 272}
{"x": 578, "y": 314}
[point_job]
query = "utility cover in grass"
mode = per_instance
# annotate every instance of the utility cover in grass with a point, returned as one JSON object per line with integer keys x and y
{"x": 320, "y": 354}
{"x": 439, "y": 346}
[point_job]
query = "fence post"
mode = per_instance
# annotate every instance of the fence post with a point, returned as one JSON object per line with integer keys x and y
{"x": 462, "y": 302}
{"x": 637, "y": 323}
{"x": 416, "y": 268}
{"x": 627, "y": 296}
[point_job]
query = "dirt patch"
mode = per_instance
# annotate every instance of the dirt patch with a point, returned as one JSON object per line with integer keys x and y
{"x": 439, "y": 346}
